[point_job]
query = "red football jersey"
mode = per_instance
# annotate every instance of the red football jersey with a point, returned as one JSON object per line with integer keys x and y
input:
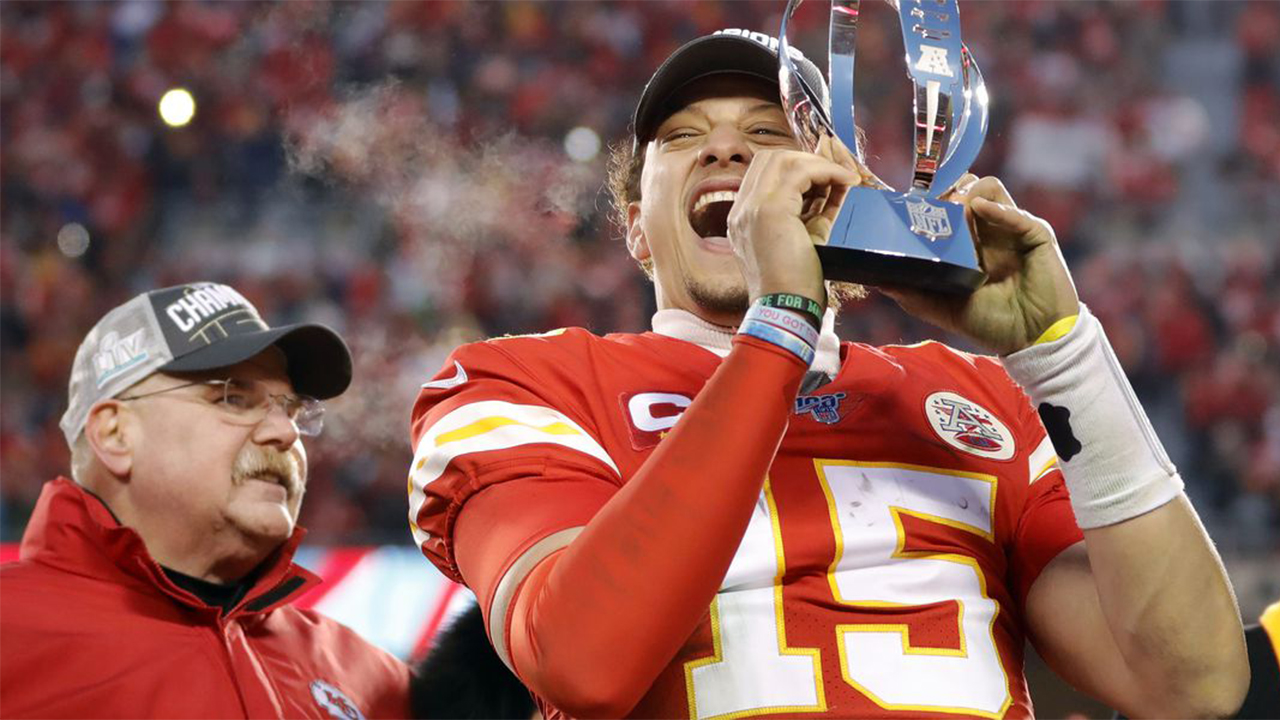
{"x": 911, "y": 504}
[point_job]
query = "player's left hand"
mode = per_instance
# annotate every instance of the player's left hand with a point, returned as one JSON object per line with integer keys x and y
{"x": 1028, "y": 287}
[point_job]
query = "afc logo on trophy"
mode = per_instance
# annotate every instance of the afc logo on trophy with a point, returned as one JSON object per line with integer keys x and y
{"x": 928, "y": 220}
{"x": 934, "y": 60}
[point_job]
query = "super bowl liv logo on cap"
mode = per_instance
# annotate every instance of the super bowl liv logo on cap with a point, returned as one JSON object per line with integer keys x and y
{"x": 117, "y": 354}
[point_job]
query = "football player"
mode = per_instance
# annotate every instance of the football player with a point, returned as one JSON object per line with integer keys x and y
{"x": 738, "y": 515}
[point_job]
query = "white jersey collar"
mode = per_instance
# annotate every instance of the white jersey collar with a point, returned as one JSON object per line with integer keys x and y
{"x": 684, "y": 325}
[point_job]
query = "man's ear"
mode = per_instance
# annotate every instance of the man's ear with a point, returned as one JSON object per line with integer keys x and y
{"x": 637, "y": 243}
{"x": 109, "y": 431}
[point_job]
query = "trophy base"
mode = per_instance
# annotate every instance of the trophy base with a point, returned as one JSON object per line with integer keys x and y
{"x": 890, "y": 238}
{"x": 868, "y": 267}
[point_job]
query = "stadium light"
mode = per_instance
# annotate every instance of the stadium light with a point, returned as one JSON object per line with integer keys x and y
{"x": 582, "y": 144}
{"x": 177, "y": 107}
{"x": 73, "y": 240}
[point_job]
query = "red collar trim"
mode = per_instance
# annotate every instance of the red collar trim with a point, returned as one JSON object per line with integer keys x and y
{"x": 74, "y": 530}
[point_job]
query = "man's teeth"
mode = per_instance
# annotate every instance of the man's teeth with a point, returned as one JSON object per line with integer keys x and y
{"x": 718, "y": 196}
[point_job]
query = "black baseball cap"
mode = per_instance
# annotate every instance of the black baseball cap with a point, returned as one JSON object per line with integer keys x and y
{"x": 724, "y": 52}
{"x": 192, "y": 327}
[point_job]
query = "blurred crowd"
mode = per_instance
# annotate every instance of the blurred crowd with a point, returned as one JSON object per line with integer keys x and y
{"x": 421, "y": 174}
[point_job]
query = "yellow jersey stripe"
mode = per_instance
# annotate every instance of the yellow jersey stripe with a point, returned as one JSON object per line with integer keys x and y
{"x": 484, "y": 425}
{"x": 488, "y": 426}
{"x": 1042, "y": 460}
{"x": 1053, "y": 462}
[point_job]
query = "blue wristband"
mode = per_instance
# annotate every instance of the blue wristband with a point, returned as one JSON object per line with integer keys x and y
{"x": 789, "y": 320}
{"x": 776, "y": 336}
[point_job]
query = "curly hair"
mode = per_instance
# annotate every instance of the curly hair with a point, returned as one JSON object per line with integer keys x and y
{"x": 624, "y": 170}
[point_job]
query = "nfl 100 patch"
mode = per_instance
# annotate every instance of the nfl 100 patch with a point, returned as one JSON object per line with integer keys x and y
{"x": 824, "y": 408}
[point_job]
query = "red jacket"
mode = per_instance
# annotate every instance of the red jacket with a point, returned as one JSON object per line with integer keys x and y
{"x": 92, "y": 627}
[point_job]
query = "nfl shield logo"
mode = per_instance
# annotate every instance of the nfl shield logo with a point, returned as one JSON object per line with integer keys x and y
{"x": 928, "y": 220}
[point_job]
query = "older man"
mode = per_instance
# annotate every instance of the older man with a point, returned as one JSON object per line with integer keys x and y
{"x": 158, "y": 583}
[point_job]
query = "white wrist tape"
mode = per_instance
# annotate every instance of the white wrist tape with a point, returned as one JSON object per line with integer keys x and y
{"x": 1114, "y": 465}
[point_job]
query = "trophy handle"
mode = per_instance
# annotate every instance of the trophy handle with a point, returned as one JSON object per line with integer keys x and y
{"x": 971, "y": 128}
{"x": 804, "y": 105}
{"x": 841, "y": 41}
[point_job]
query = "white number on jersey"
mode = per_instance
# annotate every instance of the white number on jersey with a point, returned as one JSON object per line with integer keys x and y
{"x": 754, "y": 672}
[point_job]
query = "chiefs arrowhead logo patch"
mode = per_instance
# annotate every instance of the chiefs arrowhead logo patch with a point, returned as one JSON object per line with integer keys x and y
{"x": 966, "y": 425}
{"x": 334, "y": 701}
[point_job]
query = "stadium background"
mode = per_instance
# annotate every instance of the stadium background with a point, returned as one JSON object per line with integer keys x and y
{"x": 421, "y": 174}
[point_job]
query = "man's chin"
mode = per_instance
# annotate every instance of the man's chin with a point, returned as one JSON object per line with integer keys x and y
{"x": 266, "y": 522}
{"x": 727, "y": 299}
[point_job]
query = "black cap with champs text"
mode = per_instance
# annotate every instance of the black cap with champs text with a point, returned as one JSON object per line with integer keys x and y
{"x": 724, "y": 52}
{"x": 193, "y": 327}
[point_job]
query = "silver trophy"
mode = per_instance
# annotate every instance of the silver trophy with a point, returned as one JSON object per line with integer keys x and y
{"x": 882, "y": 236}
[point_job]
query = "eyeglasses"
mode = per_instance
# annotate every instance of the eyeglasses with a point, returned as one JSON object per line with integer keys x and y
{"x": 246, "y": 402}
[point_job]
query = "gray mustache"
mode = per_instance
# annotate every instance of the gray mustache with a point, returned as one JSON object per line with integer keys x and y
{"x": 256, "y": 462}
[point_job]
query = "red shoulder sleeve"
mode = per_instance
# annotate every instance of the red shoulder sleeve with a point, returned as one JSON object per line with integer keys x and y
{"x": 1046, "y": 526}
{"x": 486, "y": 420}
{"x": 589, "y": 617}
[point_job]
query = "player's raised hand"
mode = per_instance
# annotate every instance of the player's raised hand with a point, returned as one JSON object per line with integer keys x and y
{"x": 1028, "y": 286}
{"x": 787, "y": 203}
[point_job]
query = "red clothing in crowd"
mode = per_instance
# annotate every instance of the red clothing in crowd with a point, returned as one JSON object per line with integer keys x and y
{"x": 93, "y": 627}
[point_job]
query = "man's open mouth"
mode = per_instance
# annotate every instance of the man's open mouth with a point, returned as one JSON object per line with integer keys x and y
{"x": 710, "y": 214}
{"x": 274, "y": 479}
